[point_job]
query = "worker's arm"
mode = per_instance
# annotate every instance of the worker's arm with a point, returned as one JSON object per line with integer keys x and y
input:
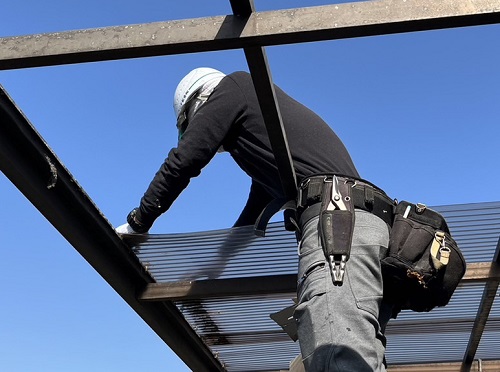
{"x": 205, "y": 134}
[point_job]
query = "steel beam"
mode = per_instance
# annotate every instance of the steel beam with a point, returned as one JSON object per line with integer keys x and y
{"x": 268, "y": 285}
{"x": 260, "y": 29}
{"x": 35, "y": 170}
{"x": 479, "y": 365}
{"x": 242, "y": 8}
{"x": 264, "y": 87}
{"x": 483, "y": 312}
{"x": 482, "y": 272}
{"x": 263, "y": 83}
{"x": 238, "y": 287}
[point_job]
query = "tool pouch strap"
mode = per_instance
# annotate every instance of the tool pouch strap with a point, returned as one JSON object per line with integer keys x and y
{"x": 276, "y": 205}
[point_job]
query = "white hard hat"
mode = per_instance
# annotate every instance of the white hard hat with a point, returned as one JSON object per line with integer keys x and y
{"x": 191, "y": 83}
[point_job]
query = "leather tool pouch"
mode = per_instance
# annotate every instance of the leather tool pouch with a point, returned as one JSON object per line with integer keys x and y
{"x": 336, "y": 227}
{"x": 424, "y": 265}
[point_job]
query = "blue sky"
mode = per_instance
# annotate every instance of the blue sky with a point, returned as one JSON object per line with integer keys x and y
{"x": 419, "y": 113}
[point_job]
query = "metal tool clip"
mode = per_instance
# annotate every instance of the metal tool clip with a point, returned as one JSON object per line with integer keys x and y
{"x": 337, "y": 267}
{"x": 336, "y": 199}
{"x": 440, "y": 253}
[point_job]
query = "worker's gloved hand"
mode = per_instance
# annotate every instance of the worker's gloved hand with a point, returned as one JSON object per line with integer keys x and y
{"x": 133, "y": 225}
{"x": 125, "y": 229}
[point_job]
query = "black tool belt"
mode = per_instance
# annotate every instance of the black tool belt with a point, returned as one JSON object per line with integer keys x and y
{"x": 364, "y": 194}
{"x": 334, "y": 199}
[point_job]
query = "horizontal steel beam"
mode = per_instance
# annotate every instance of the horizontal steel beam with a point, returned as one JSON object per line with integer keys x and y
{"x": 35, "y": 170}
{"x": 484, "y": 366}
{"x": 268, "y": 285}
{"x": 482, "y": 272}
{"x": 424, "y": 327}
{"x": 202, "y": 289}
{"x": 231, "y": 32}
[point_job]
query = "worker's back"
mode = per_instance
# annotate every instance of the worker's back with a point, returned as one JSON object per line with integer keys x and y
{"x": 314, "y": 147}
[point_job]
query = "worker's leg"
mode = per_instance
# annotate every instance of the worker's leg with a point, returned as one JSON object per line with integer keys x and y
{"x": 338, "y": 326}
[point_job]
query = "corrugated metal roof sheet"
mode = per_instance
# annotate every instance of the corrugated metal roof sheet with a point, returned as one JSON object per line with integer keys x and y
{"x": 239, "y": 329}
{"x": 176, "y": 257}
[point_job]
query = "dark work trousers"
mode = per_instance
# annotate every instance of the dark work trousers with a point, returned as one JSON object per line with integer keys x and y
{"x": 340, "y": 328}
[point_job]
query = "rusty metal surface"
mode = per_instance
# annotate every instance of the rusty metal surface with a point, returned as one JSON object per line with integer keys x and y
{"x": 269, "y": 285}
{"x": 230, "y": 32}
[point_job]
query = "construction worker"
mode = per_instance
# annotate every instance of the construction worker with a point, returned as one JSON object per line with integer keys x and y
{"x": 340, "y": 314}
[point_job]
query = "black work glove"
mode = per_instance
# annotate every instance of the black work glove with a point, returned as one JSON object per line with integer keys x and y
{"x": 136, "y": 224}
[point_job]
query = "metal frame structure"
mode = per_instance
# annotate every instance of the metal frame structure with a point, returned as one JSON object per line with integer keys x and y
{"x": 275, "y": 284}
{"x": 32, "y": 166}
